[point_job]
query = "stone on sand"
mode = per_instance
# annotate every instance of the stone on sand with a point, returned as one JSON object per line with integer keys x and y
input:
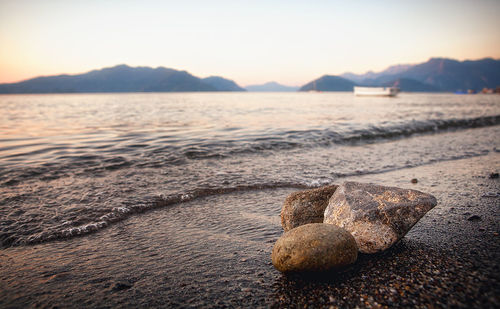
{"x": 305, "y": 207}
{"x": 377, "y": 216}
{"x": 314, "y": 247}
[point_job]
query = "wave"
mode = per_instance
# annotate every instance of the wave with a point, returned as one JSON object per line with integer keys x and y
{"x": 261, "y": 142}
{"x": 117, "y": 214}
{"x": 160, "y": 154}
{"x": 120, "y": 213}
{"x": 370, "y": 134}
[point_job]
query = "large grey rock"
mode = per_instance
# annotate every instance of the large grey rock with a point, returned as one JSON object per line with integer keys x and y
{"x": 314, "y": 247}
{"x": 305, "y": 207}
{"x": 377, "y": 216}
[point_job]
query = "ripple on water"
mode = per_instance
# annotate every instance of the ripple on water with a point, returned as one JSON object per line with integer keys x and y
{"x": 69, "y": 167}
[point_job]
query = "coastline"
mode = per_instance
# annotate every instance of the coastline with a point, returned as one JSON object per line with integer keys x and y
{"x": 215, "y": 252}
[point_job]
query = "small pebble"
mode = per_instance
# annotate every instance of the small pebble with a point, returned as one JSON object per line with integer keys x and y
{"x": 120, "y": 286}
{"x": 474, "y": 218}
{"x": 491, "y": 194}
{"x": 414, "y": 180}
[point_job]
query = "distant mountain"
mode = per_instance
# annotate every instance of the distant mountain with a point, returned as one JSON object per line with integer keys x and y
{"x": 451, "y": 75}
{"x": 120, "y": 78}
{"x": 222, "y": 84}
{"x": 271, "y": 87}
{"x": 394, "y": 69}
{"x": 439, "y": 74}
{"x": 329, "y": 83}
{"x": 410, "y": 85}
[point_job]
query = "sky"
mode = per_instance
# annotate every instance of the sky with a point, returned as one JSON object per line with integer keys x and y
{"x": 250, "y": 42}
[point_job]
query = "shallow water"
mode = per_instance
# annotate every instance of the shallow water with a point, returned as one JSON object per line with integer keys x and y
{"x": 74, "y": 164}
{"x": 214, "y": 251}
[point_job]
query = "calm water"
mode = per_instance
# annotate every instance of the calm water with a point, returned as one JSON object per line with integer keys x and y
{"x": 73, "y": 164}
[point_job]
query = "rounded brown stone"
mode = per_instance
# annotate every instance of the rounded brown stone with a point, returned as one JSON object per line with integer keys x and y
{"x": 314, "y": 247}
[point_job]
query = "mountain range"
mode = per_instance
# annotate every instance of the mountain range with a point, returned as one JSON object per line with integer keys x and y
{"x": 122, "y": 78}
{"x": 359, "y": 78}
{"x": 435, "y": 75}
{"x": 271, "y": 87}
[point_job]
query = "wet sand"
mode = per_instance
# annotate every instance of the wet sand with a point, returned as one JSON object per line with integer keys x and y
{"x": 215, "y": 252}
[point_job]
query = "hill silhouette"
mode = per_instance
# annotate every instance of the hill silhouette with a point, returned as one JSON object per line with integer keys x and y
{"x": 271, "y": 87}
{"x": 329, "y": 83}
{"x": 437, "y": 74}
{"x": 222, "y": 84}
{"x": 122, "y": 78}
{"x": 410, "y": 85}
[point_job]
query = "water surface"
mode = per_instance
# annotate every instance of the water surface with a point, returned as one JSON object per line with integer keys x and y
{"x": 72, "y": 164}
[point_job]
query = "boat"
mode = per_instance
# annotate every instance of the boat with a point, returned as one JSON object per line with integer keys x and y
{"x": 376, "y": 91}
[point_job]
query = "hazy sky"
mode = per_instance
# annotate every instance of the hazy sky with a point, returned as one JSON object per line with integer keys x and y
{"x": 251, "y": 42}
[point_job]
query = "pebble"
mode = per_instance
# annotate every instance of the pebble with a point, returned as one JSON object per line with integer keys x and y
{"x": 491, "y": 194}
{"x": 120, "y": 286}
{"x": 474, "y": 218}
{"x": 314, "y": 247}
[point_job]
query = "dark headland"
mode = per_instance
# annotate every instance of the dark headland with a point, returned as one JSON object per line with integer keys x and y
{"x": 435, "y": 75}
{"x": 122, "y": 78}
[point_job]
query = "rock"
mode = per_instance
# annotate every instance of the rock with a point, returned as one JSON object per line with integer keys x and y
{"x": 493, "y": 176}
{"x": 120, "y": 286}
{"x": 474, "y": 218}
{"x": 314, "y": 247}
{"x": 377, "y": 216}
{"x": 305, "y": 207}
{"x": 491, "y": 194}
{"x": 414, "y": 180}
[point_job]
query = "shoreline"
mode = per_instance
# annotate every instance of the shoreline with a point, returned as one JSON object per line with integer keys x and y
{"x": 215, "y": 251}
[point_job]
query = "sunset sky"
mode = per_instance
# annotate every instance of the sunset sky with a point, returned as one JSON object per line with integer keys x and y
{"x": 251, "y": 42}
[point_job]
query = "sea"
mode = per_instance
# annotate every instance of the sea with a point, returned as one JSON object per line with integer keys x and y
{"x": 75, "y": 164}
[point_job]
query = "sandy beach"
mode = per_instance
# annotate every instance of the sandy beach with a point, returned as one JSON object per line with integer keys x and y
{"x": 207, "y": 258}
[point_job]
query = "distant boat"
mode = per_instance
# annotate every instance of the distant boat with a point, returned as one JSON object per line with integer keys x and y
{"x": 376, "y": 91}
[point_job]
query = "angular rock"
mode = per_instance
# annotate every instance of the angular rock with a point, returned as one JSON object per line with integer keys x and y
{"x": 314, "y": 247}
{"x": 377, "y": 216}
{"x": 305, "y": 207}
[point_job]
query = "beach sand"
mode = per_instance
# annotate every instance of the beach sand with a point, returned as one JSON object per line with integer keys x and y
{"x": 215, "y": 251}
